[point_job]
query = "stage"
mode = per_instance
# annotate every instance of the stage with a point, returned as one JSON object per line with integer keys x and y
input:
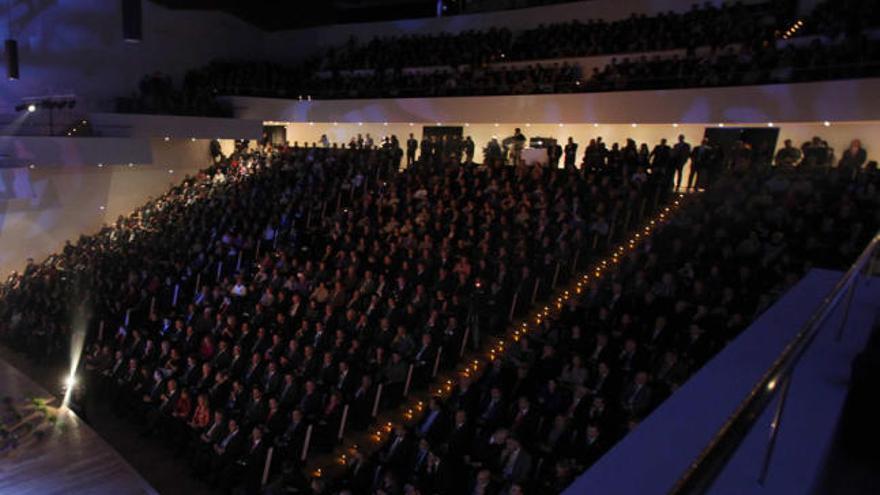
{"x": 49, "y": 450}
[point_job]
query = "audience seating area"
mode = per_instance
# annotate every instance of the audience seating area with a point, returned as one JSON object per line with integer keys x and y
{"x": 288, "y": 297}
{"x": 733, "y": 45}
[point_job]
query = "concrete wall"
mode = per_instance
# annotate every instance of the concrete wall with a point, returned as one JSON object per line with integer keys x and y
{"x": 847, "y": 100}
{"x": 41, "y": 207}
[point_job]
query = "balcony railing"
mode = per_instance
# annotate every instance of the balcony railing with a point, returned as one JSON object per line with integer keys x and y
{"x": 711, "y": 461}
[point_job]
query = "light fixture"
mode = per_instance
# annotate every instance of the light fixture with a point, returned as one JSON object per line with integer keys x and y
{"x": 192, "y": 139}
{"x": 101, "y": 207}
{"x": 496, "y": 124}
{"x": 100, "y": 165}
{"x": 595, "y": 124}
{"x": 32, "y": 166}
{"x": 721, "y": 124}
{"x": 826, "y": 124}
{"x": 31, "y": 108}
{"x": 675, "y": 124}
{"x": 130, "y": 165}
{"x": 70, "y": 381}
{"x": 170, "y": 170}
{"x": 167, "y": 138}
{"x": 561, "y": 124}
{"x": 634, "y": 124}
{"x": 360, "y": 123}
{"x": 769, "y": 124}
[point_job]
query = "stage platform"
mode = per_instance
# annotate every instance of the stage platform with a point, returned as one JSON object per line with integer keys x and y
{"x": 55, "y": 452}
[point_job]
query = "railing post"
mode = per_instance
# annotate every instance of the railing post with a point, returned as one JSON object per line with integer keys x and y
{"x": 238, "y": 262}
{"x": 275, "y": 240}
{"x": 467, "y": 333}
{"x": 101, "y": 331}
{"x": 378, "y": 398}
{"x": 257, "y": 252}
{"x": 219, "y": 270}
{"x": 342, "y": 423}
{"x": 574, "y": 262}
{"x": 774, "y": 429}
{"x": 127, "y": 317}
{"x": 153, "y": 305}
{"x": 409, "y": 375}
{"x": 535, "y": 290}
{"x": 267, "y": 466}
{"x": 305, "y": 450}
{"x": 513, "y": 306}
{"x": 846, "y": 305}
{"x": 556, "y": 275}
{"x": 437, "y": 362}
{"x": 174, "y": 296}
{"x": 198, "y": 284}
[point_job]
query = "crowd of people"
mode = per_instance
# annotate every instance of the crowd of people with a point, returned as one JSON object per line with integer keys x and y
{"x": 561, "y": 397}
{"x": 705, "y": 25}
{"x": 285, "y": 285}
{"x": 856, "y": 56}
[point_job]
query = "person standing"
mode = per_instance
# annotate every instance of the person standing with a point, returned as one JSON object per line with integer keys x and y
{"x": 469, "y": 150}
{"x": 571, "y": 149}
{"x": 853, "y": 159}
{"x": 701, "y": 158}
{"x": 681, "y": 153}
{"x": 518, "y": 143}
{"x": 411, "y": 146}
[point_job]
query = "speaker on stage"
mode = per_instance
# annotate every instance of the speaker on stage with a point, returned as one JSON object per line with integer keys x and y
{"x": 131, "y": 21}
{"x": 12, "y": 60}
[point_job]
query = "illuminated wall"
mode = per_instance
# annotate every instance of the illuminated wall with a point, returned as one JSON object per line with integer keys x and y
{"x": 76, "y": 46}
{"x": 41, "y": 207}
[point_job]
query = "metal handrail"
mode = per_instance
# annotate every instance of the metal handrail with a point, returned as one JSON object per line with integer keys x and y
{"x": 703, "y": 471}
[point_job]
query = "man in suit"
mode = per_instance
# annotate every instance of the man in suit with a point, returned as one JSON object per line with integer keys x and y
{"x": 515, "y": 462}
{"x": 228, "y": 450}
{"x": 681, "y": 153}
{"x": 637, "y": 396}
{"x": 203, "y": 443}
{"x": 397, "y": 453}
{"x": 252, "y": 463}
{"x": 433, "y": 425}
{"x": 570, "y": 154}
{"x": 411, "y": 146}
{"x": 461, "y": 435}
{"x": 290, "y": 443}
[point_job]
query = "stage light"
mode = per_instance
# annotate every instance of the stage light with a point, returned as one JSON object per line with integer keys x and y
{"x": 101, "y": 207}
{"x": 69, "y": 382}
{"x": 31, "y": 108}
{"x": 167, "y": 138}
{"x": 675, "y": 125}
{"x": 826, "y": 124}
{"x": 769, "y": 124}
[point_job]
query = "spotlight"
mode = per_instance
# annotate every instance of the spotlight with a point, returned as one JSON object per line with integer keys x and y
{"x": 31, "y": 108}
{"x": 69, "y": 382}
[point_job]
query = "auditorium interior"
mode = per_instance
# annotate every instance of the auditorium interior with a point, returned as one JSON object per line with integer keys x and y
{"x": 439, "y": 247}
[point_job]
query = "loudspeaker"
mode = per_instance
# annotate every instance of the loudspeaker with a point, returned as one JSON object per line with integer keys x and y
{"x": 12, "y": 60}
{"x": 131, "y": 21}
